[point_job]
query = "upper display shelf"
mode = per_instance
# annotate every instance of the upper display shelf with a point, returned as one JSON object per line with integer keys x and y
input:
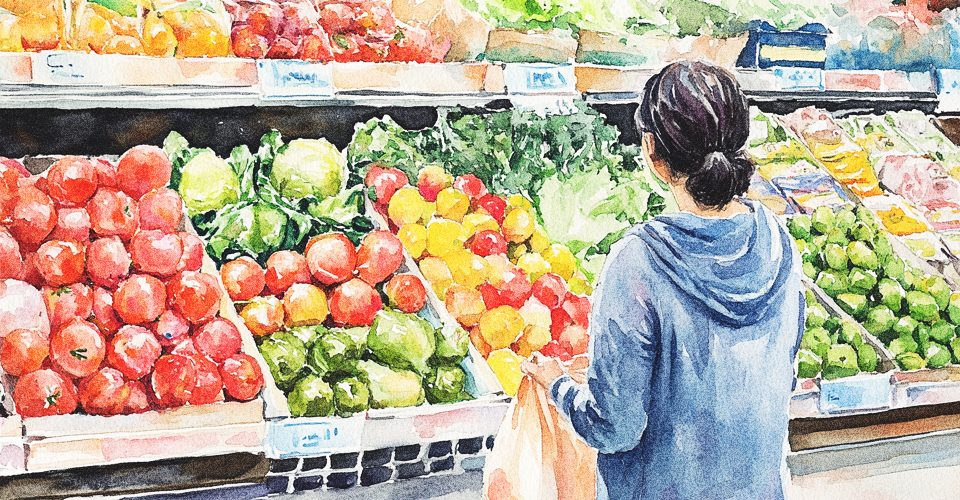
{"x": 72, "y": 80}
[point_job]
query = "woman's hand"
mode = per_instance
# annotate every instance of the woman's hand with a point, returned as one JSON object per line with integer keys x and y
{"x": 542, "y": 370}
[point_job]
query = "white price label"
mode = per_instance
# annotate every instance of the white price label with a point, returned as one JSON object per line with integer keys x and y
{"x": 66, "y": 68}
{"x": 867, "y": 393}
{"x": 799, "y": 78}
{"x": 540, "y": 78}
{"x": 284, "y": 79}
{"x": 309, "y": 437}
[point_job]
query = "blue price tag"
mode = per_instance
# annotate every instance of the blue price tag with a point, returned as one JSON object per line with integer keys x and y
{"x": 949, "y": 81}
{"x": 799, "y": 78}
{"x": 307, "y": 437}
{"x": 540, "y": 78}
{"x": 280, "y": 79}
{"x": 855, "y": 393}
{"x": 65, "y": 68}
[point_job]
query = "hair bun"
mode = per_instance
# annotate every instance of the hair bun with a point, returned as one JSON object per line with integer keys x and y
{"x": 723, "y": 176}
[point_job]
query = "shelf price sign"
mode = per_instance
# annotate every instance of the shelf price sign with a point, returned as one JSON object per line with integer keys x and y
{"x": 304, "y": 437}
{"x": 73, "y": 68}
{"x": 871, "y": 392}
{"x": 799, "y": 78}
{"x": 525, "y": 79}
{"x": 548, "y": 89}
{"x": 286, "y": 79}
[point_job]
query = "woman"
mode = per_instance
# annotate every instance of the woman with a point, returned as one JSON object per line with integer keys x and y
{"x": 697, "y": 316}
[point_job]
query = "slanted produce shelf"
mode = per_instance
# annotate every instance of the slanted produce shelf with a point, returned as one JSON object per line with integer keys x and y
{"x": 134, "y": 478}
{"x": 813, "y": 433}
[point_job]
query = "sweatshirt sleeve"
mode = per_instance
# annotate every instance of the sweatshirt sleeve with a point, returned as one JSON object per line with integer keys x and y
{"x": 609, "y": 411}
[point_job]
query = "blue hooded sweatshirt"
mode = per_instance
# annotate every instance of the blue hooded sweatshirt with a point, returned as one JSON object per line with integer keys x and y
{"x": 693, "y": 333}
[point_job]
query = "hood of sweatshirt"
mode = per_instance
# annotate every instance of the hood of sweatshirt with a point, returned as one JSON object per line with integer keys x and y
{"x": 737, "y": 267}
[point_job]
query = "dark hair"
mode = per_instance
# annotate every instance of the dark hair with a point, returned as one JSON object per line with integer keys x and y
{"x": 700, "y": 122}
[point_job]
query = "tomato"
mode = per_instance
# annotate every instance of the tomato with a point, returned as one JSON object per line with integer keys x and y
{"x": 192, "y": 259}
{"x": 104, "y": 393}
{"x": 113, "y": 213}
{"x": 72, "y": 179}
{"x": 331, "y": 257}
{"x": 103, "y": 314}
{"x": 77, "y": 349}
{"x": 185, "y": 347}
{"x": 141, "y": 169}
{"x": 284, "y": 268}
{"x": 138, "y": 401}
{"x": 23, "y": 351}
{"x": 33, "y": 216}
{"x": 140, "y": 299}
{"x": 61, "y": 262}
{"x": 243, "y": 278}
{"x": 106, "y": 173}
{"x": 171, "y": 328}
{"x": 9, "y": 184}
{"x": 154, "y": 252}
{"x": 44, "y": 392}
{"x": 209, "y": 386}
{"x": 11, "y": 261}
{"x": 29, "y": 273}
{"x": 173, "y": 378}
{"x": 218, "y": 339}
{"x": 72, "y": 224}
{"x": 406, "y": 292}
{"x": 161, "y": 209}
{"x": 133, "y": 350}
{"x": 108, "y": 261}
{"x": 195, "y": 295}
{"x": 64, "y": 304}
{"x": 550, "y": 290}
{"x": 241, "y": 375}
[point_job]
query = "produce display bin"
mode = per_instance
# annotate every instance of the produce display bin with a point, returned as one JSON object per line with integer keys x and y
{"x": 76, "y": 440}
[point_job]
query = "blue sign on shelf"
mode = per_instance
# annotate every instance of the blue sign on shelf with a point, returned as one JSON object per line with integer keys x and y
{"x": 539, "y": 78}
{"x": 799, "y": 78}
{"x": 948, "y": 81}
{"x": 856, "y": 393}
{"x": 281, "y": 79}
{"x": 309, "y": 437}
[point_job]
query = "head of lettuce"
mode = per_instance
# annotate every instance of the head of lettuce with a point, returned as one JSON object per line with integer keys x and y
{"x": 306, "y": 167}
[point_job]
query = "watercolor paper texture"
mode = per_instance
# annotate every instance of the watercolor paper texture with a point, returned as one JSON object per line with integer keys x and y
{"x": 250, "y": 248}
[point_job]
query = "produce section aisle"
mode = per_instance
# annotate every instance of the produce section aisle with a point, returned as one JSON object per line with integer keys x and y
{"x": 921, "y": 413}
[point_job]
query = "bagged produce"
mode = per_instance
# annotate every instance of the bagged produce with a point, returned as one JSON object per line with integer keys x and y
{"x": 163, "y": 28}
{"x": 537, "y": 454}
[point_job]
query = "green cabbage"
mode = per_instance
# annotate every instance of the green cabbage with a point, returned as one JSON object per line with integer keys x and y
{"x": 208, "y": 183}
{"x": 308, "y": 167}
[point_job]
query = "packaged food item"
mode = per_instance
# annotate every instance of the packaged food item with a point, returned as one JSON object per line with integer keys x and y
{"x": 161, "y": 28}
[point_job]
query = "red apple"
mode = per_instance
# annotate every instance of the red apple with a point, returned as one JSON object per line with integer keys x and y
{"x": 488, "y": 242}
{"x": 406, "y": 293}
{"x": 492, "y": 205}
{"x": 209, "y": 386}
{"x": 64, "y": 304}
{"x": 515, "y": 289}
{"x": 72, "y": 179}
{"x": 160, "y": 209}
{"x": 61, "y": 262}
{"x": 243, "y": 278}
{"x": 379, "y": 256}
{"x": 77, "y": 349}
{"x": 173, "y": 379}
{"x": 192, "y": 259}
{"x": 354, "y": 303}
{"x": 383, "y": 183}
{"x": 332, "y": 258}
{"x": 72, "y": 224}
{"x": 471, "y": 185}
{"x": 195, "y": 295}
{"x": 44, "y": 392}
{"x": 103, "y": 314}
{"x": 284, "y": 268}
